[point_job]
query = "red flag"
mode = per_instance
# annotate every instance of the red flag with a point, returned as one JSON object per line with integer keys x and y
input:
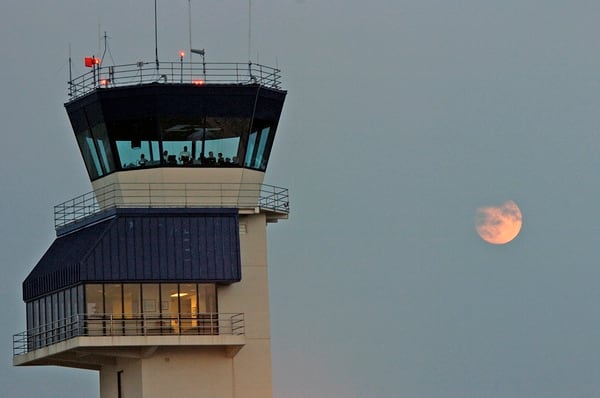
{"x": 91, "y": 61}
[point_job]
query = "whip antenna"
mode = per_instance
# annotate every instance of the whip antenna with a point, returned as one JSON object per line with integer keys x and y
{"x": 249, "y": 30}
{"x": 155, "y": 35}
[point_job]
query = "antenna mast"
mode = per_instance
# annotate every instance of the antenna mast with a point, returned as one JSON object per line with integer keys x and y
{"x": 249, "y": 29}
{"x": 155, "y": 34}
{"x": 70, "y": 73}
{"x": 190, "y": 26}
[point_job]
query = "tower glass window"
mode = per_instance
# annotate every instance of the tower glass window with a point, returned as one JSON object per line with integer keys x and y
{"x": 90, "y": 154}
{"x": 103, "y": 146}
{"x": 113, "y": 299}
{"x": 210, "y": 128}
{"x": 129, "y": 308}
{"x": 151, "y": 299}
{"x": 94, "y": 299}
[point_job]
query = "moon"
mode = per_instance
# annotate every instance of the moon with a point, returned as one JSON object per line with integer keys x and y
{"x": 499, "y": 225}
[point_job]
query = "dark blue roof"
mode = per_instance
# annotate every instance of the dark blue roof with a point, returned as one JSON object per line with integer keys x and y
{"x": 143, "y": 245}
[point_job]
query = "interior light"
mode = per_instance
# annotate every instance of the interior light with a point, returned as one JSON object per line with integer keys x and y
{"x": 179, "y": 294}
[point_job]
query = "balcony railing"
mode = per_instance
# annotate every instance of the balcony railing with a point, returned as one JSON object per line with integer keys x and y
{"x": 165, "y": 195}
{"x": 86, "y": 325}
{"x": 198, "y": 73}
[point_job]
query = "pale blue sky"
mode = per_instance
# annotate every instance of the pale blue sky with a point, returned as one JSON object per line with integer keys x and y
{"x": 402, "y": 118}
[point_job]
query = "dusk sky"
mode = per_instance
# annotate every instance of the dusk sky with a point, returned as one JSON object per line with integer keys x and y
{"x": 402, "y": 119}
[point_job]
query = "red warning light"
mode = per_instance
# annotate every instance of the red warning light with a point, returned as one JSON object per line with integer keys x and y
{"x": 104, "y": 82}
{"x": 198, "y": 82}
{"x": 181, "y": 54}
{"x": 91, "y": 61}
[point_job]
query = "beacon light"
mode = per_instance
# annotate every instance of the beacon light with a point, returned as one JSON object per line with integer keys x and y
{"x": 181, "y": 54}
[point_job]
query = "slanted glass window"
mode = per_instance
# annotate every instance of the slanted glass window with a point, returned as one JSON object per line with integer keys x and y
{"x": 250, "y": 149}
{"x": 90, "y": 154}
{"x": 259, "y": 146}
{"x": 260, "y": 160}
{"x": 103, "y": 144}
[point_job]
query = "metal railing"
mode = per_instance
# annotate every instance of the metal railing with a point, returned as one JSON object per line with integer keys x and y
{"x": 174, "y": 73}
{"x": 94, "y": 325}
{"x": 165, "y": 195}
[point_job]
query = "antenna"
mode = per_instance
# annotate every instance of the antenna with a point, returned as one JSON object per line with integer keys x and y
{"x": 105, "y": 46}
{"x": 156, "y": 34}
{"x": 249, "y": 29}
{"x": 70, "y": 73}
{"x": 99, "y": 37}
{"x": 190, "y": 26}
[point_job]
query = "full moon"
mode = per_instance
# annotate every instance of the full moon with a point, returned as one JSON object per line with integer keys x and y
{"x": 499, "y": 224}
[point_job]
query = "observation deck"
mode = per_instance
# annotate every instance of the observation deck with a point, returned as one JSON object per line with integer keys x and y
{"x": 101, "y": 203}
{"x": 196, "y": 73}
{"x": 81, "y": 339}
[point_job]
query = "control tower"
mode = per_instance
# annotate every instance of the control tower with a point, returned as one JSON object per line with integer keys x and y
{"x": 158, "y": 278}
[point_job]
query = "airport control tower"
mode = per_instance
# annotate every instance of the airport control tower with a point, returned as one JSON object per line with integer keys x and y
{"x": 158, "y": 278}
